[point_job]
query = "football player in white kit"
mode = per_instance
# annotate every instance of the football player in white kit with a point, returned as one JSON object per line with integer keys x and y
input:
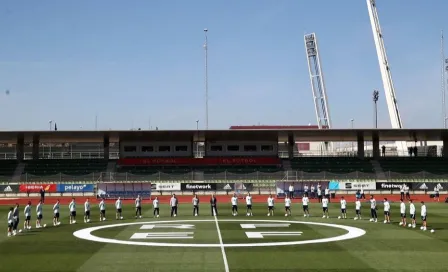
{"x": 102, "y": 207}
{"x": 118, "y": 207}
{"x": 402, "y": 213}
{"x": 155, "y": 206}
{"x": 138, "y": 207}
{"x": 39, "y": 215}
{"x": 27, "y": 212}
{"x": 373, "y": 214}
{"x": 343, "y": 208}
{"x": 56, "y": 214}
{"x": 248, "y": 205}
{"x": 386, "y": 205}
{"x": 357, "y": 209}
{"x": 10, "y": 221}
{"x": 87, "y": 211}
{"x": 423, "y": 214}
{"x": 325, "y": 207}
{"x": 234, "y": 201}
{"x": 16, "y": 217}
{"x": 287, "y": 206}
{"x": 412, "y": 214}
{"x": 305, "y": 203}
{"x": 270, "y": 206}
{"x": 173, "y": 205}
{"x": 195, "y": 202}
{"x": 72, "y": 208}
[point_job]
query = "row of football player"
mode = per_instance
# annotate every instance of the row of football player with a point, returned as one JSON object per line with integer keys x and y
{"x": 387, "y": 211}
{"x": 14, "y": 218}
{"x": 13, "y": 214}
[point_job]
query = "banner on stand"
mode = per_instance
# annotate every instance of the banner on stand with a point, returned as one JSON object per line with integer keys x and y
{"x": 352, "y": 186}
{"x": 168, "y": 187}
{"x": 429, "y": 186}
{"x": 124, "y": 190}
{"x": 35, "y": 188}
{"x": 75, "y": 188}
{"x": 9, "y": 189}
{"x": 392, "y": 185}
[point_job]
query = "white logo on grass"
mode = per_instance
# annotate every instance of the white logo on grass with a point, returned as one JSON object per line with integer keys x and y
{"x": 227, "y": 187}
{"x": 86, "y": 234}
{"x": 423, "y": 187}
{"x": 8, "y": 189}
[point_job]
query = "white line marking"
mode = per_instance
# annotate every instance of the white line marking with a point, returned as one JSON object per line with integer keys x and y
{"x": 163, "y": 235}
{"x": 174, "y": 226}
{"x": 352, "y": 232}
{"x": 223, "y": 251}
{"x": 254, "y": 226}
{"x": 253, "y": 234}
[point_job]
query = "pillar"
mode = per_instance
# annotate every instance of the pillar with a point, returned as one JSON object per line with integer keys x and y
{"x": 106, "y": 147}
{"x": 291, "y": 143}
{"x": 445, "y": 146}
{"x": 20, "y": 147}
{"x": 360, "y": 140}
{"x": 376, "y": 145}
{"x": 36, "y": 143}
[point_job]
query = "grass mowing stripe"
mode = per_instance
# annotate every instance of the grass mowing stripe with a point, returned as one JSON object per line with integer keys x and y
{"x": 81, "y": 268}
{"x": 146, "y": 258}
{"x": 223, "y": 251}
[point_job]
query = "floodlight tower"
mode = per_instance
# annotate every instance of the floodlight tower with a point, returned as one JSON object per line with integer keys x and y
{"x": 317, "y": 84}
{"x": 386, "y": 76}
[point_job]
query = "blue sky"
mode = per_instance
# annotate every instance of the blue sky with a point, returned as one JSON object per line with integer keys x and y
{"x": 140, "y": 63}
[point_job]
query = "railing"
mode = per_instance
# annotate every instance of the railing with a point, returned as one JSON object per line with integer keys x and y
{"x": 222, "y": 177}
{"x": 62, "y": 155}
{"x": 197, "y": 154}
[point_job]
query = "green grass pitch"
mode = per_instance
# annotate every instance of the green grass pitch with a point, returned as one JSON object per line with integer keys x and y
{"x": 382, "y": 248}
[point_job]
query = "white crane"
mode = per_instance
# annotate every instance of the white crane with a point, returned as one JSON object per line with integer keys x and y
{"x": 386, "y": 76}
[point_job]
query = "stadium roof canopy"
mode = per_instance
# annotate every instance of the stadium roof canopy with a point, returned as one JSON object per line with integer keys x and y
{"x": 228, "y": 135}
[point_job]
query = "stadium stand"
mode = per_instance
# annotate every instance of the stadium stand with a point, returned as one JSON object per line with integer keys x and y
{"x": 205, "y": 172}
{"x": 76, "y": 167}
{"x": 7, "y": 168}
{"x": 413, "y": 165}
{"x": 337, "y": 165}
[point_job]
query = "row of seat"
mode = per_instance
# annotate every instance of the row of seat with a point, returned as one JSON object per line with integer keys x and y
{"x": 148, "y": 170}
{"x": 412, "y": 165}
{"x": 337, "y": 165}
{"x": 7, "y": 169}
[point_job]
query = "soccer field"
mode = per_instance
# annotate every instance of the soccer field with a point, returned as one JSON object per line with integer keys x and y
{"x": 228, "y": 243}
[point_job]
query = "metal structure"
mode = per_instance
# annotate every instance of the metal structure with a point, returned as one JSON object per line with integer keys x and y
{"x": 445, "y": 82}
{"x": 206, "y": 77}
{"x": 443, "y": 87}
{"x": 386, "y": 76}
{"x": 317, "y": 82}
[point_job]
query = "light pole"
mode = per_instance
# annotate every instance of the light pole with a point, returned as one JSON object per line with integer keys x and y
{"x": 353, "y": 145}
{"x": 376, "y": 95}
{"x": 206, "y": 77}
{"x": 50, "y": 122}
{"x": 197, "y": 140}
